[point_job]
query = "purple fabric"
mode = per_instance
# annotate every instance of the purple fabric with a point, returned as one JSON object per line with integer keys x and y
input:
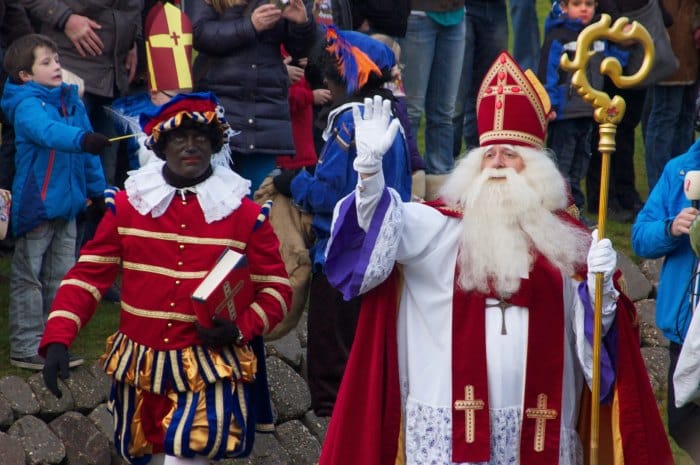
{"x": 351, "y": 248}
{"x": 608, "y": 352}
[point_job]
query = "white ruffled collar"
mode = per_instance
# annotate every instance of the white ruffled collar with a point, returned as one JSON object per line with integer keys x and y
{"x": 218, "y": 195}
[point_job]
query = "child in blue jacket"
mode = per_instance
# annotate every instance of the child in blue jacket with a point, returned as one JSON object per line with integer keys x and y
{"x": 569, "y": 134}
{"x": 57, "y": 171}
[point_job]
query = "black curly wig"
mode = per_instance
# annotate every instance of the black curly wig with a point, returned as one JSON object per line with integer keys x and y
{"x": 213, "y": 130}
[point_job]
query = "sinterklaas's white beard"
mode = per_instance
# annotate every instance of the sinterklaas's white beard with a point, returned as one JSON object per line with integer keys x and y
{"x": 504, "y": 225}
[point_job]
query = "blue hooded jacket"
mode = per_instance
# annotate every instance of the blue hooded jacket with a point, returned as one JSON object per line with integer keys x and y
{"x": 561, "y": 33}
{"x": 54, "y": 176}
{"x": 651, "y": 238}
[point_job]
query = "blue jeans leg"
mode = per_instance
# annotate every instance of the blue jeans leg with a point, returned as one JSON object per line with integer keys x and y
{"x": 669, "y": 129}
{"x": 40, "y": 260}
{"x": 432, "y": 55}
{"x": 526, "y": 33}
{"x": 485, "y": 37}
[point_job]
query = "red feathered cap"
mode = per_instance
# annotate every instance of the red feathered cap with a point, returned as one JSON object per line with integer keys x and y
{"x": 512, "y": 106}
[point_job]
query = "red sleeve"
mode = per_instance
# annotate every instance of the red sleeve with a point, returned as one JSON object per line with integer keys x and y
{"x": 273, "y": 292}
{"x": 84, "y": 285}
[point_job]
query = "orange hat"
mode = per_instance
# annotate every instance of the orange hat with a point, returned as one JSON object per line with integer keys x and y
{"x": 512, "y": 106}
{"x": 168, "y": 48}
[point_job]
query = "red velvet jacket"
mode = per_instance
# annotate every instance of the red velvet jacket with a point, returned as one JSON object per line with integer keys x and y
{"x": 162, "y": 260}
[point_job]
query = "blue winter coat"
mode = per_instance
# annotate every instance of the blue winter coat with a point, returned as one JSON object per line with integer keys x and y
{"x": 561, "y": 33}
{"x": 335, "y": 177}
{"x": 54, "y": 177}
{"x": 651, "y": 239}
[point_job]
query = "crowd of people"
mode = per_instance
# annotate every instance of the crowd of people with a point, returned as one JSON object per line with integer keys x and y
{"x": 445, "y": 325}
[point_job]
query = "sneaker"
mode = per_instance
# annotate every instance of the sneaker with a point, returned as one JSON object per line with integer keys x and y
{"x": 36, "y": 362}
{"x": 75, "y": 360}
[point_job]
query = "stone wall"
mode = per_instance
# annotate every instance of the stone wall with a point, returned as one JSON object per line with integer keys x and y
{"x": 36, "y": 428}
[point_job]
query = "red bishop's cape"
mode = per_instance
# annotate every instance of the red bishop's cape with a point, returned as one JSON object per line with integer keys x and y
{"x": 366, "y": 425}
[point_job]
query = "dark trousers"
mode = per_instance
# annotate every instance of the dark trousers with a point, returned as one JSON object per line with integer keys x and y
{"x": 684, "y": 422}
{"x": 570, "y": 139}
{"x": 331, "y": 329}
{"x": 621, "y": 192}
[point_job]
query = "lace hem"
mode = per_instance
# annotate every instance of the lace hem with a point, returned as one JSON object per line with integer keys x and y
{"x": 429, "y": 437}
{"x": 384, "y": 253}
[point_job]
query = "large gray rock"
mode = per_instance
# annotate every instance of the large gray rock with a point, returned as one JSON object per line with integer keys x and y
{"x": 20, "y": 397}
{"x": 6, "y": 414}
{"x": 657, "y": 362}
{"x": 637, "y": 286}
{"x": 651, "y": 268}
{"x": 104, "y": 382}
{"x": 288, "y": 348}
{"x": 40, "y": 444}
{"x": 104, "y": 421}
{"x": 289, "y": 392}
{"x": 51, "y": 406}
{"x": 11, "y": 450}
{"x": 84, "y": 443}
{"x": 303, "y": 448}
{"x": 81, "y": 384}
{"x": 317, "y": 425}
{"x": 651, "y": 335}
{"x": 266, "y": 451}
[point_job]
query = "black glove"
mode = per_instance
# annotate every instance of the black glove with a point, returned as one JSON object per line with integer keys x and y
{"x": 55, "y": 366}
{"x": 222, "y": 333}
{"x": 94, "y": 142}
{"x": 283, "y": 182}
{"x": 96, "y": 210}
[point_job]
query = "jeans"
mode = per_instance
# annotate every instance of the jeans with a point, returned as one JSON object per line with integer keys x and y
{"x": 669, "y": 130}
{"x": 40, "y": 260}
{"x": 570, "y": 140}
{"x": 526, "y": 33}
{"x": 102, "y": 122}
{"x": 622, "y": 191}
{"x": 432, "y": 55}
{"x": 486, "y": 36}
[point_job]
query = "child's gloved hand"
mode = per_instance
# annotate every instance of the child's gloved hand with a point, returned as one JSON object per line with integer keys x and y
{"x": 94, "y": 142}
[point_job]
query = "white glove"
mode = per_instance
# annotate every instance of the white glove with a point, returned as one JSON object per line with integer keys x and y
{"x": 602, "y": 258}
{"x": 374, "y": 134}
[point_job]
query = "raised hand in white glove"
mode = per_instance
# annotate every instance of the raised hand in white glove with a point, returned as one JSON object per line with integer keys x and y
{"x": 601, "y": 259}
{"x": 374, "y": 133}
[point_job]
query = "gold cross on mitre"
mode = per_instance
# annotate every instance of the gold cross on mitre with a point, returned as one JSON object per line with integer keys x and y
{"x": 168, "y": 28}
{"x": 469, "y": 405}
{"x": 512, "y": 106}
{"x": 540, "y": 414}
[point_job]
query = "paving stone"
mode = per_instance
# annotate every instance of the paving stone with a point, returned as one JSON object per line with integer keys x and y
{"x": 84, "y": 442}
{"x": 40, "y": 444}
